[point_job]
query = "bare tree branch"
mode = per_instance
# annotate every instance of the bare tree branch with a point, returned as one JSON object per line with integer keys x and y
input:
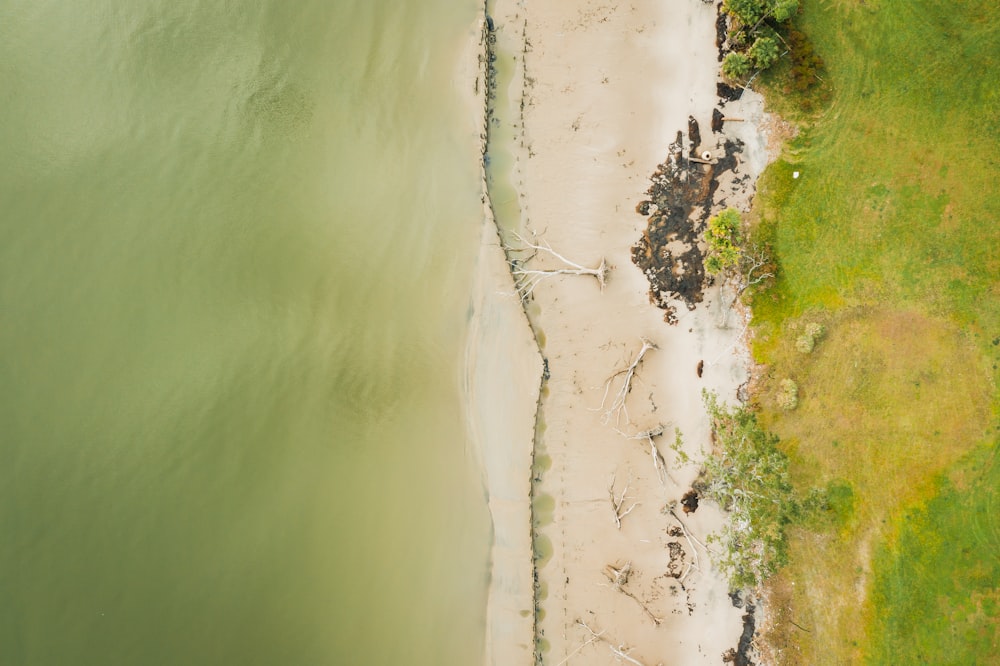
{"x": 617, "y": 409}
{"x": 755, "y": 260}
{"x": 618, "y": 501}
{"x": 621, "y": 651}
{"x": 689, "y": 536}
{"x": 619, "y": 577}
{"x": 525, "y": 279}
{"x": 659, "y": 464}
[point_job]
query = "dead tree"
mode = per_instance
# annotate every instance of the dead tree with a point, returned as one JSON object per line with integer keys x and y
{"x": 619, "y": 501}
{"x": 756, "y": 266}
{"x": 526, "y": 279}
{"x": 621, "y": 651}
{"x": 619, "y": 578}
{"x": 617, "y": 409}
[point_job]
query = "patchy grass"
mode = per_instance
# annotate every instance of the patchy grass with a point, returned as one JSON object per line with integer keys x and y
{"x": 888, "y": 401}
{"x": 889, "y": 239}
{"x": 936, "y": 599}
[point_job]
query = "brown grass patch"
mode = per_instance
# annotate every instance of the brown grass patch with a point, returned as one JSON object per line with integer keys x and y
{"x": 888, "y": 400}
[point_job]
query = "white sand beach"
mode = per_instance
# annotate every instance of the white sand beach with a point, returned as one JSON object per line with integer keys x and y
{"x": 604, "y": 88}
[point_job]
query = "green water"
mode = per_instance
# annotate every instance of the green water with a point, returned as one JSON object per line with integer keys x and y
{"x": 235, "y": 249}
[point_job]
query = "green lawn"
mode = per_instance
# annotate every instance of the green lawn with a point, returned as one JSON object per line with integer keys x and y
{"x": 890, "y": 238}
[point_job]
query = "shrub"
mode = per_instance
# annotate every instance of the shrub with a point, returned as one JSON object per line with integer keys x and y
{"x": 788, "y": 394}
{"x": 754, "y": 22}
{"x": 736, "y": 65}
{"x": 764, "y": 52}
{"x": 806, "y": 342}
{"x": 815, "y": 331}
{"x": 806, "y": 64}
{"x": 723, "y": 237}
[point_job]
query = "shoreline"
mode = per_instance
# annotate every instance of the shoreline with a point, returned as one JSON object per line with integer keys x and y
{"x": 608, "y": 90}
{"x": 503, "y": 367}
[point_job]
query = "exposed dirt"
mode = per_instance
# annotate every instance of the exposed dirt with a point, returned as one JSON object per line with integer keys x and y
{"x": 680, "y": 202}
{"x": 721, "y": 31}
{"x": 741, "y": 655}
{"x": 675, "y": 567}
{"x": 689, "y": 502}
{"x": 717, "y": 120}
{"x": 727, "y": 92}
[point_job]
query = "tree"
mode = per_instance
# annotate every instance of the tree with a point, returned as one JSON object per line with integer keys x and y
{"x": 752, "y": 12}
{"x": 782, "y": 10}
{"x": 723, "y": 238}
{"x": 736, "y": 65}
{"x": 526, "y": 279}
{"x": 754, "y": 23}
{"x": 747, "y": 11}
{"x": 747, "y": 475}
{"x": 764, "y": 52}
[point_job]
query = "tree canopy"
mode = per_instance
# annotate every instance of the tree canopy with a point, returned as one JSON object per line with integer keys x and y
{"x": 747, "y": 475}
{"x": 753, "y": 34}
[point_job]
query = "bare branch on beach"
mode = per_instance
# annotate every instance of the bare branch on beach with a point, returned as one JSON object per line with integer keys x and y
{"x": 621, "y": 651}
{"x": 526, "y": 279}
{"x": 619, "y": 578}
{"x": 689, "y": 536}
{"x": 659, "y": 464}
{"x": 617, "y": 410}
{"x": 619, "y": 501}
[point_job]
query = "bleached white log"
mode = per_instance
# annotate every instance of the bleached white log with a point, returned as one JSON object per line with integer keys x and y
{"x": 618, "y": 409}
{"x": 526, "y": 279}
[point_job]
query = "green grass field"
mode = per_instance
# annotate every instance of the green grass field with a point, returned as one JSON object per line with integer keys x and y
{"x": 890, "y": 238}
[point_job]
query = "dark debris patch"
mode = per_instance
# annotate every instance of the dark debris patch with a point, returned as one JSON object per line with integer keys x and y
{"x": 717, "y": 120}
{"x": 727, "y": 92}
{"x": 679, "y": 204}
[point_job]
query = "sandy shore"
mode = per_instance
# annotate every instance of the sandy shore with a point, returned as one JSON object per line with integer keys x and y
{"x": 603, "y": 89}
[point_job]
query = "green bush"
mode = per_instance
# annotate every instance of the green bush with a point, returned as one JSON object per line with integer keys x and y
{"x": 723, "y": 237}
{"x": 764, "y": 52}
{"x": 806, "y": 342}
{"x": 736, "y": 65}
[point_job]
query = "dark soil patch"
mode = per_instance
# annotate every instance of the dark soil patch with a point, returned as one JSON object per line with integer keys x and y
{"x": 717, "y": 120}
{"x": 741, "y": 655}
{"x": 679, "y": 205}
{"x": 689, "y": 502}
{"x": 721, "y": 31}
{"x": 694, "y": 136}
{"x": 675, "y": 567}
{"x": 727, "y": 92}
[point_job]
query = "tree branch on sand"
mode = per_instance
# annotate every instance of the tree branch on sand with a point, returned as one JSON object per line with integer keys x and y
{"x": 526, "y": 279}
{"x": 619, "y": 578}
{"x": 621, "y": 651}
{"x": 659, "y": 464}
{"x": 619, "y": 501}
{"x": 617, "y": 409}
{"x": 694, "y": 563}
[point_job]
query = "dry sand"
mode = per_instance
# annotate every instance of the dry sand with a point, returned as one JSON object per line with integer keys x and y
{"x": 604, "y": 88}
